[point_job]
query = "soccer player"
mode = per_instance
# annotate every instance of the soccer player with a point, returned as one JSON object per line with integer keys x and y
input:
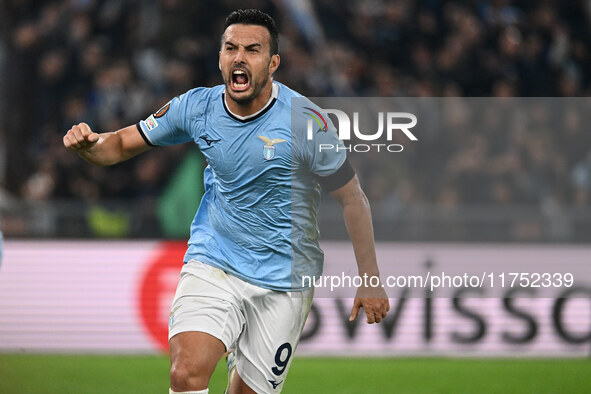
{"x": 255, "y": 233}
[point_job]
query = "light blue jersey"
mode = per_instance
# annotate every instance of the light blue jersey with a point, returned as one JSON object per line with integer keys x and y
{"x": 257, "y": 218}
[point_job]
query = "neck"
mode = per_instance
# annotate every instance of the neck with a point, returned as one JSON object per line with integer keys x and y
{"x": 252, "y": 107}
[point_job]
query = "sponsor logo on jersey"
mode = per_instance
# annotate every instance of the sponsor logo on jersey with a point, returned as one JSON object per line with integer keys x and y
{"x": 207, "y": 140}
{"x": 269, "y": 148}
{"x": 151, "y": 123}
{"x": 275, "y": 383}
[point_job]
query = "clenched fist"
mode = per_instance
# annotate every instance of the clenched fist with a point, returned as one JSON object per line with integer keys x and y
{"x": 80, "y": 138}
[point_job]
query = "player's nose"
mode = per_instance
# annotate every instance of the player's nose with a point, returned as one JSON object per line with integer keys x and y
{"x": 239, "y": 58}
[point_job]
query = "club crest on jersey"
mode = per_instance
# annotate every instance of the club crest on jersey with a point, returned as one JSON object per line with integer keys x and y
{"x": 269, "y": 147}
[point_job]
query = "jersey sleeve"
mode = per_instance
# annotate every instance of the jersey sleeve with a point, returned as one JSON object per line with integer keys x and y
{"x": 170, "y": 125}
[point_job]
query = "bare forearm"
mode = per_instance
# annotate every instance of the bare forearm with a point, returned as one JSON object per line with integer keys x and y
{"x": 107, "y": 151}
{"x": 357, "y": 215}
{"x": 107, "y": 148}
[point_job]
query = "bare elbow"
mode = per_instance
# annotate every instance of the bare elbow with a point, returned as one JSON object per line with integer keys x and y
{"x": 358, "y": 198}
{"x": 351, "y": 194}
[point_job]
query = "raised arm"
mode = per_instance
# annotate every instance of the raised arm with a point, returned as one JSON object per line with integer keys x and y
{"x": 357, "y": 215}
{"x": 105, "y": 149}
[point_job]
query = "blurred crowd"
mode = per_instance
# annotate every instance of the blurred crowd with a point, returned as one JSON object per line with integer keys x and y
{"x": 111, "y": 63}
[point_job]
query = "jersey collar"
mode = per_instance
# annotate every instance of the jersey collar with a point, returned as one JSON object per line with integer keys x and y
{"x": 259, "y": 113}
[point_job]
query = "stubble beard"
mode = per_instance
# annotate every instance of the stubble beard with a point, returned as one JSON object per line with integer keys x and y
{"x": 256, "y": 85}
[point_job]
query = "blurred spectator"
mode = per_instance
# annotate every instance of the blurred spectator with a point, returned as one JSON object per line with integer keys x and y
{"x": 113, "y": 62}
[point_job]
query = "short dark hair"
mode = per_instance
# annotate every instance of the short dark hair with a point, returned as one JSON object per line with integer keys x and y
{"x": 256, "y": 17}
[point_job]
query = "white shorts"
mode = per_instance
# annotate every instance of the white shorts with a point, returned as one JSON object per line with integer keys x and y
{"x": 264, "y": 326}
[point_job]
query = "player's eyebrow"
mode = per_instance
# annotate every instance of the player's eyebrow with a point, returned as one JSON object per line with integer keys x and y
{"x": 253, "y": 46}
{"x": 250, "y": 46}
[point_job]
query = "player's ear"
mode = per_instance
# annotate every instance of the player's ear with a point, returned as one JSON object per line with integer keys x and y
{"x": 220, "y": 60}
{"x": 274, "y": 63}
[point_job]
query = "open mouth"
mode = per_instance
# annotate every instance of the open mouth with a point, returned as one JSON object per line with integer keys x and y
{"x": 240, "y": 80}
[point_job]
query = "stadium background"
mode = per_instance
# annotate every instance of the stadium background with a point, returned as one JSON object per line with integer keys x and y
{"x": 111, "y": 63}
